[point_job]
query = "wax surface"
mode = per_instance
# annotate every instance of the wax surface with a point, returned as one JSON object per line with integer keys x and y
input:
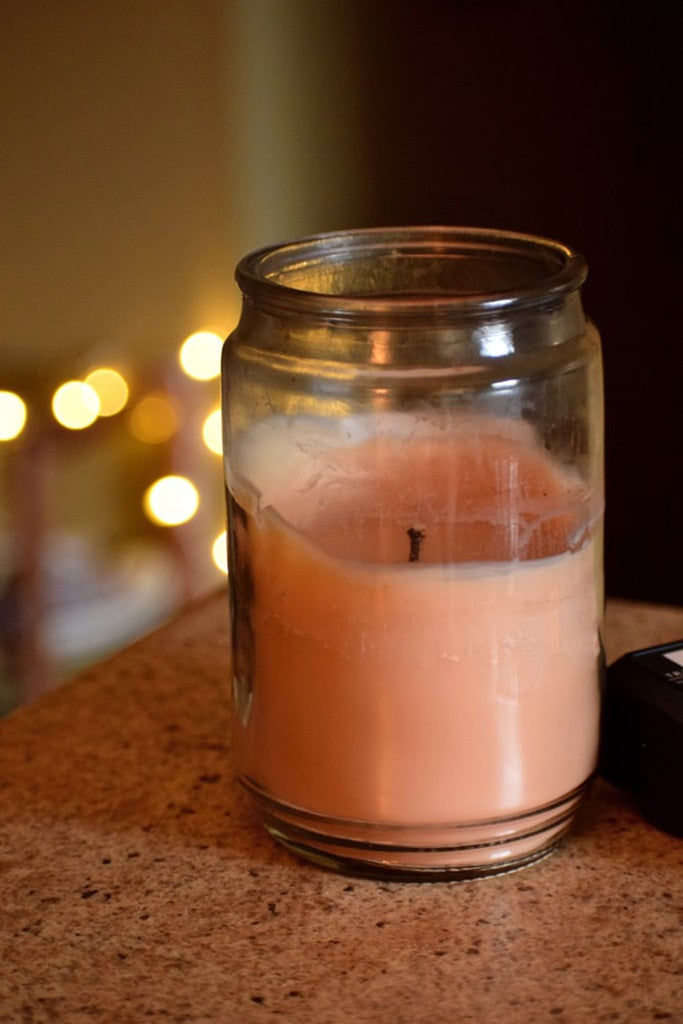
{"x": 459, "y": 686}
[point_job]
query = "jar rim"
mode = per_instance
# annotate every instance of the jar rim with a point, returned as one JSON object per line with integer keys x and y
{"x": 278, "y": 277}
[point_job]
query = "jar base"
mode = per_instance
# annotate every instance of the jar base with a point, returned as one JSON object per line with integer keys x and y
{"x": 420, "y": 852}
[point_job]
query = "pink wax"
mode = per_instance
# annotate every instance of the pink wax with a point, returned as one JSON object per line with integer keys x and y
{"x": 457, "y": 687}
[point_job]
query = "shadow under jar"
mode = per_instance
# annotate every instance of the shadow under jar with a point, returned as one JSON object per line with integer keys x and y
{"x": 413, "y": 444}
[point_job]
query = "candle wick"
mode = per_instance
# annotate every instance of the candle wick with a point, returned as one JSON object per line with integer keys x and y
{"x": 416, "y": 538}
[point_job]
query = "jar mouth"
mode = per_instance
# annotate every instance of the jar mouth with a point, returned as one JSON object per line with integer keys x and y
{"x": 443, "y": 272}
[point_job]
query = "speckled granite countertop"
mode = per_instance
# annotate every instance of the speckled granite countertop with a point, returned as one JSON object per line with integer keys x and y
{"x": 135, "y": 884}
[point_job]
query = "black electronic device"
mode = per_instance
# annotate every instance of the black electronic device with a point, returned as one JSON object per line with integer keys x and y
{"x": 642, "y": 732}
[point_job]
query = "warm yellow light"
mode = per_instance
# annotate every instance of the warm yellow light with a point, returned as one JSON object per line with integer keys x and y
{"x": 171, "y": 500}
{"x": 212, "y": 432}
{"x": 111, "y": 389}
{"x": 75, "y": 405}
{"x": 12, "y": 415}
{"x": 153, "y": 419}
{"x": 219, "y": 552}
{"x": 200, "y": 355}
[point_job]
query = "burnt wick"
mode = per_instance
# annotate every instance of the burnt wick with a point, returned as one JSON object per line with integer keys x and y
{"x": 416, "y": 538}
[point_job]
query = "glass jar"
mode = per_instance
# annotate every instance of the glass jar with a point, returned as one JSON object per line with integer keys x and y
{"x": 413, "y": 443}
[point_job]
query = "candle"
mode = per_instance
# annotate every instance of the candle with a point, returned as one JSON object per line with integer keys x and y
{"x": 417, "y": 631}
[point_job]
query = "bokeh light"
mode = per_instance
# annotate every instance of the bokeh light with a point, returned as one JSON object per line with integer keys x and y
{"x": 200, "y": 355}
{"x": 171, "y": 500}
{"x": 219, "y": 552}
{"x": 12, "y": 415}
{"x": 153, "y": 419}
{"x": 75, "y": 405}
{"x": 111, "y": 388}
{"x": 212, "y": 432}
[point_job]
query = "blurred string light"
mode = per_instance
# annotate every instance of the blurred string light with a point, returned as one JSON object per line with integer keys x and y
{"x": 212, "y": 432}
{"x": 75, "y": 405}
{"x": 219, "y": 552}
{"x": 171, "y": 500}
{"x": 12, "y": 415}
{"x": 153, "y": 419}
{"x": 111, "y": 389}
{"x": 200, "y": 355}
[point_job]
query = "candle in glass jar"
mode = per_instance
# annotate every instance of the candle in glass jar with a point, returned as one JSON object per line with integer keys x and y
{"x": 416, "y": 619}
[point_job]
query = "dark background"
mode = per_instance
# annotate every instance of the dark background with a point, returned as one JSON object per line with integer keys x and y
{"x": 560, "y": 119}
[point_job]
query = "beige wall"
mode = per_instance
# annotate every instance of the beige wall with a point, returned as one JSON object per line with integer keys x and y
{"x": 146, "y": 145}
{"x": 112, "y": 178}
{"x": 294, "y": 141}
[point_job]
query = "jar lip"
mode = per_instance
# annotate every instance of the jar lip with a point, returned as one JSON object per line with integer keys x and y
{"x": 551, "y": 270}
